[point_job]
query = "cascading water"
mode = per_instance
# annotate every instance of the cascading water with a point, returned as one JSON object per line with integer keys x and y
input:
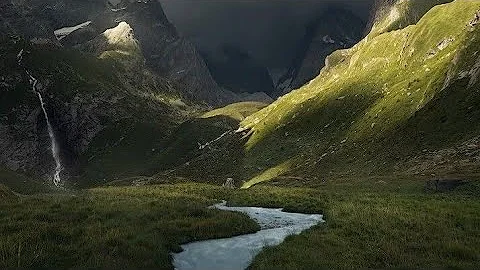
{"x": 57, "y": 181}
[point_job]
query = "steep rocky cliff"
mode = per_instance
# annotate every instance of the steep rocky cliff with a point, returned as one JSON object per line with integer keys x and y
{"x": 97, "y": 109}
{"x": 334, "y": 29}
{"x": 107, "y": 73}
{"x": 236, "y": 70}
{"x": 165, "y": 52}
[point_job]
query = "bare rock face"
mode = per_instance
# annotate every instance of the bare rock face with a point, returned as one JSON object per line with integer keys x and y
{"x": 109, "y": 72}
{"x": 165, "y": 51}
{"x": 335, "y": 29}
{"x": 169, "y": 54}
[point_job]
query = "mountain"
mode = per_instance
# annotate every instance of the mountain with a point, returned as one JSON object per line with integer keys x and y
{"x": 95, "y": 107}
{"x": 81, "y": 81}
{"x": 391, "y": 98}
{"x": 403, "y": 101}
{"x": 334, "y": 29}
{"x": 389, "y": 15}
{"x": 165, "y": 52}
{"x": 236, "y": 70}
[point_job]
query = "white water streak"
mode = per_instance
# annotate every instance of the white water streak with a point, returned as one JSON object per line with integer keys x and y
{"x": 203, "y": 146}
{"x": 57, "y": 181}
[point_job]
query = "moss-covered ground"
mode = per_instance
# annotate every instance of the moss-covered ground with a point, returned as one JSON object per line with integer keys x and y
{"x": 370, "y": 223}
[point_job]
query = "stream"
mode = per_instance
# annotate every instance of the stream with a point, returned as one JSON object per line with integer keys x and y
{"x": 238, "y": 252}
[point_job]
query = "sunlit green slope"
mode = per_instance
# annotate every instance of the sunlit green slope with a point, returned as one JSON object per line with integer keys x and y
{"x": 390, "y": 98}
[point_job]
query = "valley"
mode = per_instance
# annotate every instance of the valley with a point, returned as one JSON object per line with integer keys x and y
{"x": 118, "y": 133}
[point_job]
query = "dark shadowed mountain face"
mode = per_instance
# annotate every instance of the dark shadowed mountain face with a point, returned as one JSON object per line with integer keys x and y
{"x": 269, "y": 29}
{"x": 276, "y": 35}
{"x": 165, "y": 51}
{"x": 332, "y": 30}
{"x": 107, "y": 73}
{"x": 236, "y": 70}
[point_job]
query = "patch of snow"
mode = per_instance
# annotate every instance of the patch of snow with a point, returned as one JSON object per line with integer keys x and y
{"x": 63, "y": 32}
{"x": 121, "y": 34}
{"x": 118, "y": 9}
{"x": 327, "y": 39}
{"x": 238, "y": 252}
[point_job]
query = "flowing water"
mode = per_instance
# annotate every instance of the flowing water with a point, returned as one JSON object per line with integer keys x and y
{"x": 54, "y": 146}
{"x": 238, "y": 252}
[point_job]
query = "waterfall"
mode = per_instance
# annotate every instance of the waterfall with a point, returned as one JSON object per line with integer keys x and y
{"x": 203, "y": 146}
{"x": 57, "y": 181}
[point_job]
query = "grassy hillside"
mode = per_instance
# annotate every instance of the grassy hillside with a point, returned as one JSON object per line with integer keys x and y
{"x": 398, "y": 14}
{"x": 206, "y": 148}
{"x": 390, "y": 98}
{"x": 238, "y": 111}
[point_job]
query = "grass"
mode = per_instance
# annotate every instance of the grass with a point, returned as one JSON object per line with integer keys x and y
{"x": 377, "y": 223}
{"x": 20, "y": 183}
{"x": 370, "y": 223}
{"x": 238, "y": 111}
{"x": 111, "y": 227}
{"x": 377, "y": 104}
{"x": 6, "y": 194}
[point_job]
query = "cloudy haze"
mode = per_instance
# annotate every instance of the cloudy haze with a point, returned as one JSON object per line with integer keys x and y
{"x": 269, "y": 29}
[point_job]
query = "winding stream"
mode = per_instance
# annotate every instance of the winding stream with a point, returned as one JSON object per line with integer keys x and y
{"x": 238, "y": 252}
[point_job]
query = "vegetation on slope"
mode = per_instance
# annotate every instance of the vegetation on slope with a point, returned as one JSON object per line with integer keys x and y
{"x": 397, "y": 14}
{"x": 386, "y": 100}
{"x": 6, "y": 194}
{"x": 238, "y": 111}
{"x": 99, "y": 107}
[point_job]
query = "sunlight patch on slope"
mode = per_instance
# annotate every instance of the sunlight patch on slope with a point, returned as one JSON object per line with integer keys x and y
{"x": 368, "y": 91}
{"x": 270, "y": 174}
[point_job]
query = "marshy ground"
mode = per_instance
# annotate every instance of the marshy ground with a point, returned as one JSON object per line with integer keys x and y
{"x": 370, "y": 223}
